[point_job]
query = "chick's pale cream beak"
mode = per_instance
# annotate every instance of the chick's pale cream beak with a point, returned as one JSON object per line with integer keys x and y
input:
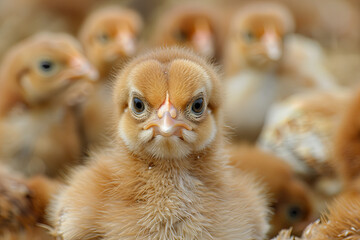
{"x": 127, "y": 42}
{"x": 124, "y": 46}
{"x": 167, "y": 125}
{"x": 79, "y": 68}
{"x": 272, "y": 44}
{"x": 203, "y": 39}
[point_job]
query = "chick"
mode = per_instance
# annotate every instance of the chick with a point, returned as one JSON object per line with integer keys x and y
{"x": 252, "y": 57}
{"x": 40, "y": 77}
{"x": 265, "y": 63}
{"x": 301, "y": 130}
{"x": 256, "y": 37}
{"x": 291, "y": 199}
{"x": 194, "y": 26}
{"x": 22, "y": 205}
{"x": 109, "y": 36}
{"x": 165, "y": 176}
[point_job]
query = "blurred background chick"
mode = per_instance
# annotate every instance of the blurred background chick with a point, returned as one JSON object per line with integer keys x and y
{"x": 193, "y": 25}
{"x": 301, "y": 130}
{"x": 110, "y": 36}
{"x": 253, "y": 53}
{"x": 290, "y": 198}
{"x": 40, "y": 79}
{"x": 256, "y": 36}
{"x": 265, "y": 62}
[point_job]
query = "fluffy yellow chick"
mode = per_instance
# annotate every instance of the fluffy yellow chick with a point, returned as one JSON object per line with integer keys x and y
{"x": 194, "y": 26}
{"x": 165, "y": 176}
{"x": 256, "y": 37}
{"x": 265, "y": 63}
{"x": 301, "y": 130}
{"x": 253, "y": 54}
{"x": 39, "y": 78}
{"x": 110, "y": 38}
{"x": 291, "y": 199}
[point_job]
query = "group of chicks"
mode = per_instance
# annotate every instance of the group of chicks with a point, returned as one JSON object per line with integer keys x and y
{"x": 108, "y": 136}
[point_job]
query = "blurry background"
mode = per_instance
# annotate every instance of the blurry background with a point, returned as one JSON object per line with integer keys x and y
{"x": 334, "y": 23}
{"x": 300, "y": 132}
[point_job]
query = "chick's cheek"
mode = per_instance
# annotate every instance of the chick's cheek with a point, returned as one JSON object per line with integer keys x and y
{"x": 127, "y": 130}
{"x": 189, "y": 136}
{"x": 146, "y": 135}
{"x": 206, "y": 133}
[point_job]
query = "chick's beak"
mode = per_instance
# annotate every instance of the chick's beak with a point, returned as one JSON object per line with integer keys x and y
{"x": 126, "y": 41}
{"x": 166, "y": 123}
{"x": 79, "y": 68}
{"x": 202, "y": 38}
{"x": 272, "y": 44}
{"x": 124, "y": 46}
{"x": 78, "y": 75}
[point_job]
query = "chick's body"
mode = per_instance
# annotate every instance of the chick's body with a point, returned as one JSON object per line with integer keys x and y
{"x": 165, "y": 177}
{"x": 39, "y": 80}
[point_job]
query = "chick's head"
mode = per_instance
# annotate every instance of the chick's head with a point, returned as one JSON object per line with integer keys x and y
{"x": 292, "y": 208}
{"x": 44, "y": 67}
{"x": 257, "y": 33}
{"x": 168, "y": 102}
{"x": 109, "y": 36}
{"x": 190, "y": 26}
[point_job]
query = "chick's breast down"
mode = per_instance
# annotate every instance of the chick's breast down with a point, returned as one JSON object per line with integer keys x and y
{"x": 165, "y": 175}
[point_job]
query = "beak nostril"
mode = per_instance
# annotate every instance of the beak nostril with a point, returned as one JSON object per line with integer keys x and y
{"x": 167, "y": 107}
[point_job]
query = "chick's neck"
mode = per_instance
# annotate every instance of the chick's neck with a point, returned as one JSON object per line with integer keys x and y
{"x": 206, "y": 165}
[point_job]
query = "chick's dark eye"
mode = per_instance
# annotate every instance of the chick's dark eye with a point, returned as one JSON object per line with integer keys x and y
{"x": 138, "y": 105}
{"x": 294, "y": 213}
{"x": 103, "y": 38}
{"x": 249, "y": 36}
{"x": 198, "y": 106}
{"x": 46, "y": 65}
{"x": 180, "y": 35}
